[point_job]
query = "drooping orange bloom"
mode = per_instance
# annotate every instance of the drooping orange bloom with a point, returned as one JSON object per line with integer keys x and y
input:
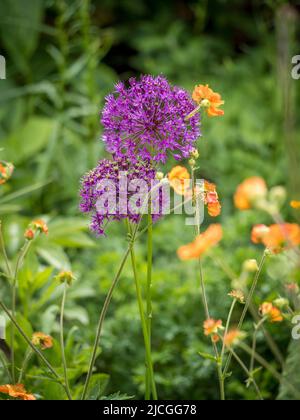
{"x": 259, "y": 232}
{"x": 41, "y": 226}
{"x": 211, "y": 237}
{"x": 211, "y": 326}
{"x": 209, "y": 99}
{"x": 42, "y": 340}
{"x": 211, "y": 199}
{"x": 233, "y": 337}
{"x": 35, "y": 227}
{"x": 250, "y": 191}
{"x": 6, "y": 171}
{"x": 277, "y": 237}
{"x": 272, "y": 312}
{"x": 295, "y": 204}
{"x": 179, "y": 179}
{"x": 17, "y": 391}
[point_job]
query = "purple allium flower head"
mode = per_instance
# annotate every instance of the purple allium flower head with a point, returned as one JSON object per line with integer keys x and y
{"x": 118, "y": 189}
{"x": 147, "y": 119}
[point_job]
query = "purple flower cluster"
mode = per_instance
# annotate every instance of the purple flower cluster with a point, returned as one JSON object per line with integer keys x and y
{"x": 147, "y": 119}
{"x": 103, "y": 191}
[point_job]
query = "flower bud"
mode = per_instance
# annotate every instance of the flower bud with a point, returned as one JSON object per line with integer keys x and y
{"x": 278, "y": 196}
{"x": 192, "y": 162}
{"x": 159, "y": 176}
{"x": 250, "y": 266}
{"x": 195, "y": 154}
{"x": 65, "y": 277}
{"x": 281, "y": 302}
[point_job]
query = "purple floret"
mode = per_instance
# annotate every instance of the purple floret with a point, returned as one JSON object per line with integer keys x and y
{"x": 147, "y": 119}
{"x": 92, "y": 190}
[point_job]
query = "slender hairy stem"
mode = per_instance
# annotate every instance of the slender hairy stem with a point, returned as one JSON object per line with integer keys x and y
{"x": 254, "y": 342}
{"x": 248, "y": 303}
{"x": 149, "y": 298}
{"x": 14, "y": 286}
{"x": 249, "y": 374}
{"x": 28, "y": 341}
{"x": 101, "y": 321}
{"x": 28, "y": 356}
{"x": 203, "y": 288}
{"x": 280, "y": 378}
{"x": 62, "y": 342}
{"x": 144, "y": 325}
{"x": 227, "y": 327}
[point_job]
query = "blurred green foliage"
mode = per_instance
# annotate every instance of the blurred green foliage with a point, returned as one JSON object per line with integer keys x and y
{"x": 63, "y": 57}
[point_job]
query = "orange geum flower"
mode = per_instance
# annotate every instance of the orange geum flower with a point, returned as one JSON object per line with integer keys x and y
{"x": 42, "y": 340}
{"x": 179, "y": 179}
{"x": 211, "y": 237}
{"x": 212, "y": 327}
{"x": 295, "y": 204}
{"x": 6, "y": 171}
{"x": 41, "y": 226}
{"x": 211, "y": 199}
{"x": 233, "y": 337}
{"x": 17, "y": 391}
{"x": 280, "y": 237}
{"x": 271, "y": 312}
{"x": 259, "y": 232}
{"x": 205, "y": 97}
{"x": 250, "y": 192}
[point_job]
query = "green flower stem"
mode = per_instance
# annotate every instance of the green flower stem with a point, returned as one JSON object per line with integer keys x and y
{"x": 249, "y": 374}
{"x": 280, "y": 378}
{"x": 227, "y": 328}
{"x": 203, "y": 291}
{"x": 254, "y": 342}
{"x": 62, "y": 343}
{"x": 101, "y": 321}
{"x": 149, "y": 298}
{"x": 26, "y": 361}
{"x": 24, "y": 251}
{"x": 248, "y": 303}
{"x": 3, "y": 249}
{"x": 144, "y": 325}
{"x": 28, "y": 341}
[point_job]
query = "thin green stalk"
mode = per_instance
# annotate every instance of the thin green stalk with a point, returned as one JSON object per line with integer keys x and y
{"x": 101, "y": 321}
{"x": 62, "y": 342}
{"x": 203, "y": 291}
{"x": 149, "y": 297}
{"x": 19, "y": 263}
{"x": 254, "y": 342}
{"x": 280, "y": 378}
{"x": 249, "y": 374}
{"x": 227, "y": 327}
{"x": 144, "y": 324}
{"x": 26, "y": 361}
{"x": 28, "y": 341}
{"x": 248, "y": 303}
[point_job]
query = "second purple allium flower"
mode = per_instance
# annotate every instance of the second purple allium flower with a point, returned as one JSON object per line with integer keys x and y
{"x": 147, "y": 119}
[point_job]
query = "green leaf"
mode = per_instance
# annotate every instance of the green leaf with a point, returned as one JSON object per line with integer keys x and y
{"x": 97, "y": 386}
{"x": 19, "y": 27}
{"x": 291, "y": 373}
{"x": 208, "y": 357}
{"x": 28, "y": 140}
